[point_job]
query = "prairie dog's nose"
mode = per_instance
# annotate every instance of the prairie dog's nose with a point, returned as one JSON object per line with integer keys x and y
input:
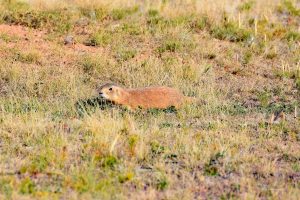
{"x": 100, "y": 93}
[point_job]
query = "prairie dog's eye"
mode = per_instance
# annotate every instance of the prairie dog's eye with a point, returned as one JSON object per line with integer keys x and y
{"x": 110, "y": 89}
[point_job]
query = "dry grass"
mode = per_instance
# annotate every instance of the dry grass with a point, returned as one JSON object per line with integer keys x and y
{"x": 240, "y": 59}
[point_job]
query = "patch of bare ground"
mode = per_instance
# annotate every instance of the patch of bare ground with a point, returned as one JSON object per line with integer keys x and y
{"x": 31, "y": 40}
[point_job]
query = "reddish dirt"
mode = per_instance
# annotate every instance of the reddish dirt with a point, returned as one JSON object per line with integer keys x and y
{"x": 20, "y": 31}
{"x": 26, "y": 36}
{"x": 27, "y": 40}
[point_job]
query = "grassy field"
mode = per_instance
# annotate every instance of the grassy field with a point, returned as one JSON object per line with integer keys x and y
{"x": 241, "y": 59}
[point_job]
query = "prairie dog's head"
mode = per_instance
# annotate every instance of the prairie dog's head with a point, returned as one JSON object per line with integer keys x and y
{"x": 110, "y": 92}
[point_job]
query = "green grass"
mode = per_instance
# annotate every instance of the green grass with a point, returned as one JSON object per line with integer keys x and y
{"x": 292, "y": 36}
{"x": 58, "y": 20}
{"x": 8, "y": 38}
{"x": 118, "y": 14}
{"x": 291, "y": 8}
{"x": 59, "y": 140}
{"x": 246, "y": 6}
{"x": 230, "y": 31}
{"x": 30, "y": 57}
{"x": 100, "y": 38}
{"x": 124, "y": 54}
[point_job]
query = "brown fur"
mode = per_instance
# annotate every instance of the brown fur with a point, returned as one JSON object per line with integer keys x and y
{"x": 149, "y": 97}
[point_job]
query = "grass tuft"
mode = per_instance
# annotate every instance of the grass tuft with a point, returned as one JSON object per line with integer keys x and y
{"x": 118, "y": 14}
{"x": 292, "y": 36}
{"x": 99, "y": 39}
{"x": 27, "y": 186}
{"x": 246, "y": 6}
{"x": 230, "y": 31}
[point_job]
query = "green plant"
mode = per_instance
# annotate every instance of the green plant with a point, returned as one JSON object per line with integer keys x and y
{"x": 133, "y": 141}
{"x": 247, "y": 57}
{"x": 132, "y": 29}
{"x": 298, "y": 83}
{"x": 125, "y": 177}
{"x": 292, "y": 9}
{"x": 109, "y": 161}
{"x": 264, "y": 98}
{"x": 30, "y": 57}
{"x": 6, "y": 187}
{"x": 153, "y": 13}
{"x": 271, "y": 55}
{"x": 55, "y": 20}
{"x": 39, "y": 163}
{"x": 81, "y": 183}
{"x": 156, "y": 148}
{"x": 8, "y": 38}
{"x": 118, "y": 14}
{"x": 27, "y": 186}
{"x": 170, "y": 45}
{"x": 99, "y": 38}
{"x": 125, "y": 54}
{"x": 246, "y": 6}
{"x": 292, "y": 36}
{"x": 202, "y": 23}
{"x": 91, "y": 65}
{"x": 230, "y": 31}
{"x": 162, "y": 184}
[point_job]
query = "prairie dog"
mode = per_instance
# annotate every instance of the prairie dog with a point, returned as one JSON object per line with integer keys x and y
{"x": 148, "y": 97}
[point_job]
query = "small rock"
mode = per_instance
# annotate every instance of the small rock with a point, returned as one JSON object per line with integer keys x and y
{"x": 82, "y": 22}
{"x": 69, "y": 40}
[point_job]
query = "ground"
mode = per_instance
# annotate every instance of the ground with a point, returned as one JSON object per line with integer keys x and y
{"x": 240, "y": 59}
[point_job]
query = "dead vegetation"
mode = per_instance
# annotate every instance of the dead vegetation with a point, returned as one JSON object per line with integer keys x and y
{"x": 240, "y": 59}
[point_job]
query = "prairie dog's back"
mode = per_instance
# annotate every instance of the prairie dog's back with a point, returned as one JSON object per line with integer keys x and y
{"x": 155, "y": 97}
